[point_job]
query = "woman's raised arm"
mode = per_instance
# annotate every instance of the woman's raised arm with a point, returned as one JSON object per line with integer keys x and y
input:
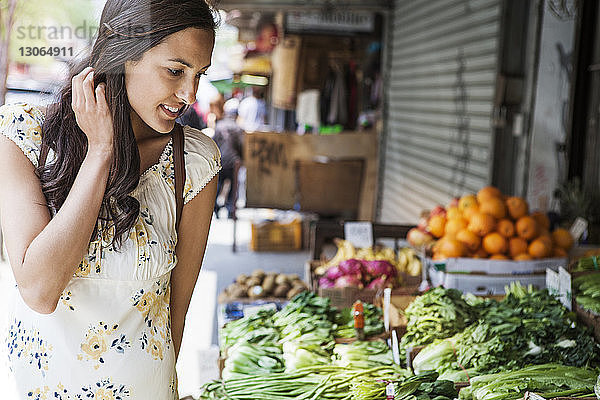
{"x": 44, "y": 253}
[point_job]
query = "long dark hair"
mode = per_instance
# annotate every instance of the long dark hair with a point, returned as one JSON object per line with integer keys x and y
{"x": 128, "y": 28}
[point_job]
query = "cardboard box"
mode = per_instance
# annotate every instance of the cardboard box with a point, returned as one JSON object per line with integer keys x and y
{"x": 497, "y": 267}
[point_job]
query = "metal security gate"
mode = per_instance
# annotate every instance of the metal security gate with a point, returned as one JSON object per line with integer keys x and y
{"x": 443, "y": 60}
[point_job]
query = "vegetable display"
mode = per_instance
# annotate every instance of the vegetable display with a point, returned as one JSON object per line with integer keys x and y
{"x": 251, "y": 359}
{"x": 547, "y": 380}
{"x": 374, "y": 274}
{"x": 304, "y": 333}
{"x": 345, "y": 322}
{"x": 588, "y": 292}
{"x": 257, "y": 328}
{"x": 590, "y": 262}
{"x": 261, "y": 284}
{"x": 439, "y": 313}
{"x": 363, "y": 354}
{"x": 422, "y": 386}
{"x": 390, "y": 264}
{"x": 527, "y": 327}
{"x": 332, "y": 382}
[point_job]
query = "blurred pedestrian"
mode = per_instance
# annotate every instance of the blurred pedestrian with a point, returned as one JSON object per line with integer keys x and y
{"x": 252, "y": 111}
{"x": 229, "y": 138}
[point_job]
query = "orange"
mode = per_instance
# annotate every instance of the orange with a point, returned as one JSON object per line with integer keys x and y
{"x": 522, "y": 257}
{"x": 506, "y": 228}
{"x": 562, "y": 238}
{"x": 454, "y": 225}
{"x": 469, "y": 239}
{"x": 495, "y": 243}
{"x": 539, "y": 249}
{"x": 546, "y": 238}
{"x": 516, "y": 246}
{"x": 480, "y": 253}
{"x": 559, "y": 252}
{"x": 527, "y": 227}
{"x": 469, "y": 212}
{"x": 487, "y": 193}
{"x": 467, "y": 201}
{"x": 493, "y": 206}
{"x": 436, "y": 225}
{"x": 438, "y": 256}
{"x": 498, "y": 257}
{"x": 517, "y": 207}
{"x": 452, "y": 248}
{"x": 542, "y": 219}
{"x": 481, "y": 224}
{"x": 453, "y": 212}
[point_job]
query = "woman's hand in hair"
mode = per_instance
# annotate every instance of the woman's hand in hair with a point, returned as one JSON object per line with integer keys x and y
{"x": 91, "y": 111}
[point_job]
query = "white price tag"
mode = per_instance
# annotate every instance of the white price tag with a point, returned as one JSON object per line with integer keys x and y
{"x": 552, "y": 282}
{"x": 566, "y": 293}
{"x": 579, "y": 226}
{"x": 387, "y": 298}
{"x": 389, "y": 391}
{"x": 395, "y": 348}
{"x": 360, "y": 234}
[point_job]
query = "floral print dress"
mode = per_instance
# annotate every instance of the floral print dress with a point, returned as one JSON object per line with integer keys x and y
{"x": 110, "y": 336}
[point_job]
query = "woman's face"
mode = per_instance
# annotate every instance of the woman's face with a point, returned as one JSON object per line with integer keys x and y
{"x": 166, "y": 78}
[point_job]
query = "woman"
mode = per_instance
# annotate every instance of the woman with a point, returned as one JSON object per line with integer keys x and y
{"x": 103, "y": 277}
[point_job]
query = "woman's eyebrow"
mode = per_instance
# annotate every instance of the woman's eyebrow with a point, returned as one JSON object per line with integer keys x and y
{"x": 182, "y": 61}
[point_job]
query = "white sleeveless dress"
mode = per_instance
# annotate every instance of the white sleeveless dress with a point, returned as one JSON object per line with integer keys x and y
{"x": 110, "y": 336}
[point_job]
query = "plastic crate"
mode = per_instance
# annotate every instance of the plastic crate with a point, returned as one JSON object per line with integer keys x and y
{"x": 276, "y": 236}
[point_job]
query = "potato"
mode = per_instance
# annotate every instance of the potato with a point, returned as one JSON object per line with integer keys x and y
{"x": 293, "y": 277}
{"x": 241, "y": 279}
{"x": 268, "y": 284}
{"x": 253, "y": 281}
{"x": 238, "y": 292}
{"x": 256, "y": 292}
{"x": 281, "y": 279}
{"x": 281, "y": 291}
{"x": 258, "y": 273}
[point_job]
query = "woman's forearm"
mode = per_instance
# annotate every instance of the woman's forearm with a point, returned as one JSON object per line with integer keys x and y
{"x": 53, "y": 256}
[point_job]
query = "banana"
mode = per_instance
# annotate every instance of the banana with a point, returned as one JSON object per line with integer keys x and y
{"x": 414, "y": 267}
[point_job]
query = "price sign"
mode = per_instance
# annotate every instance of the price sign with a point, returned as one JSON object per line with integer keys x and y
{"x": 552, "y": 282}
{"x": 566, "y": 291}
{"x": 579, "y": 226}
{"x": 360, "y": 234}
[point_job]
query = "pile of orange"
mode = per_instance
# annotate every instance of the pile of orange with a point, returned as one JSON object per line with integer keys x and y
{"x": 491, "y": 225}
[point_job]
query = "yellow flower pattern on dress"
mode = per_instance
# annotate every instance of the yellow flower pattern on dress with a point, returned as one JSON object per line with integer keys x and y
{"x": 154, "y": 308}
{"x": 99, "y": 339}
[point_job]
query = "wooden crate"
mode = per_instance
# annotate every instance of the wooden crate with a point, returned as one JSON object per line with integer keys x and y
{"x": 276, "y": 236}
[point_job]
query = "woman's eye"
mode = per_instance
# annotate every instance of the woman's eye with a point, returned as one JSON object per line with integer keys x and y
{"x": 175, "y": 72}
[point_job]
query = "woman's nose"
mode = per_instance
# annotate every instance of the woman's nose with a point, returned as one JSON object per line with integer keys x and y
{"x": 187, "y": 93}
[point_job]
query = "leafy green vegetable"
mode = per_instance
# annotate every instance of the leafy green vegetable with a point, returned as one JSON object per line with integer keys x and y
{"x": 527, "y": 327}
{"x": 363, "y": 354}
{"x": 423, "y": 386}
{"x": 256, "y": 328}
{"x": 437, "y": 314}
{"x": 549, "y": 380}
{"x": 250, "y": 359}
{"x": 588, "y": 292}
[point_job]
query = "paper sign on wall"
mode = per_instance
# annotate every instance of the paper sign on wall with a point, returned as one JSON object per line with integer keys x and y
{"x": 360, "y": 234}
{"x": 579, "y": 226}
